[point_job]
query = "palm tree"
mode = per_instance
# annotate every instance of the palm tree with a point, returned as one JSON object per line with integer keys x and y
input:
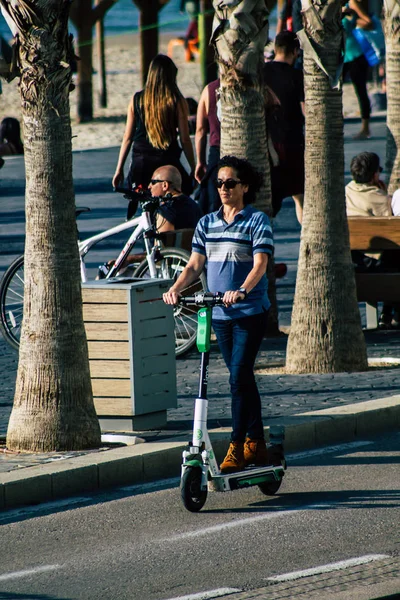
{"x": 325, "y": 334}
{"x": 392, "y": 40}
{"x": 53, "y": 405}
{"x": 240, "y": 32}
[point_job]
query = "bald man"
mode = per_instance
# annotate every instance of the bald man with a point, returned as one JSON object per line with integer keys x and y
{"x": 177, "y": 211}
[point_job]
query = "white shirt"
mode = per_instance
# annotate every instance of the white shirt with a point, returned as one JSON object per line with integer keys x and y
{"x": 396, "y": 203}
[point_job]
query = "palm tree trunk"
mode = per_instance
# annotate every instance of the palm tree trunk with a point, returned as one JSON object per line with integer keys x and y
{"x": 392, "y": 40}
{"x": 243, "y": 134}
{"x": 325, "y": 334}
{"x": 53, "y": 405}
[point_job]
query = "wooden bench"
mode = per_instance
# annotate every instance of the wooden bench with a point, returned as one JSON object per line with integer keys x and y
{"x": 373, "y": 235}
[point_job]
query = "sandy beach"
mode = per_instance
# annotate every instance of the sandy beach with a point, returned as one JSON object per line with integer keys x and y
{"x": 123, "y": 80}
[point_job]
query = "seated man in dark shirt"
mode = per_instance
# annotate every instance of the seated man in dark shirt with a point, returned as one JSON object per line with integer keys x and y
{"x": 178, "y": 211}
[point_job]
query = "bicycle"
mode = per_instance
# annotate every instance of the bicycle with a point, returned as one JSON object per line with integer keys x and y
{"x": 161, "y": 263}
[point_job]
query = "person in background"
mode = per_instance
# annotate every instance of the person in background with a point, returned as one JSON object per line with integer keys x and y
{"x": 10, "y": 137}
{"x": 207, "y": 122}
{"x": 356, "y": 65}
{"x": 176, "y": 212}
{"x": 154, "y": 116}
{"x": 234, "y": 244}
{"x": 286, "y": 123}
{"x": 290, "y": 18}
{"x": 396, "y": 203}
{"x": 366, "y": 196}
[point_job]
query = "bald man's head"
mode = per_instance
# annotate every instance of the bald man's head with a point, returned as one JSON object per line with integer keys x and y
{"x": 167, "y": 175}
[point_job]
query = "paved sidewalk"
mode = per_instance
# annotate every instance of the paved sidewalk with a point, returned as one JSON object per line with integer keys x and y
{"x": 315, "y": 409}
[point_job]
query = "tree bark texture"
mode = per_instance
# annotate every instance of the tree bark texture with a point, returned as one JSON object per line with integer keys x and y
{"x": 325, "y": 334}
{"x": 53, "y": 405}
{"x": 392, "y": 40}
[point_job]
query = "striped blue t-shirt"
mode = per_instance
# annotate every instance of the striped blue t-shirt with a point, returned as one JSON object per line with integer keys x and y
{"x": 229, "y": 249}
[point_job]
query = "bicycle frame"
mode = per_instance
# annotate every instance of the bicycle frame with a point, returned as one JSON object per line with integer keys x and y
{"x": 141, "y": 224}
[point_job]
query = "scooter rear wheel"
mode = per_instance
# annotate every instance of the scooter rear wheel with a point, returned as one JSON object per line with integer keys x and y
{"x": 193, "y": 497}
{"x": 269, "y": 488}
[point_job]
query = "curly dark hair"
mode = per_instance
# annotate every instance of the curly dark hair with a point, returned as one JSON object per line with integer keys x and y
{"x": 246, "y": 173}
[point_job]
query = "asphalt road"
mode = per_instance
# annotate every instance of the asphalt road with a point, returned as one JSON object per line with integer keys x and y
{"x": 341, "y": 504}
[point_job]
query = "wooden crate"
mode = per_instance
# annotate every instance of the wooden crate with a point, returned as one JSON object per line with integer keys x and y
{"x": 130, "y": 333}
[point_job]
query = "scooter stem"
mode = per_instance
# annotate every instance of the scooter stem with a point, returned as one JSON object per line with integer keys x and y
{"x": 203, "y": 380}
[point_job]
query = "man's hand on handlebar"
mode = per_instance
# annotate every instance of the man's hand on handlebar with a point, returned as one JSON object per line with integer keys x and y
{"x": 171, "y": 297}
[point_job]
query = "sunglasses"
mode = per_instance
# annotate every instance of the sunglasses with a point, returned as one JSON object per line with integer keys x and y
{"x": 230, "y": 184}
{"x": 154, "y": 181}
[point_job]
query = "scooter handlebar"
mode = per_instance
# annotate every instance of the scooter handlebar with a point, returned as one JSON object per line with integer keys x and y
{"x": 203, "y": 299}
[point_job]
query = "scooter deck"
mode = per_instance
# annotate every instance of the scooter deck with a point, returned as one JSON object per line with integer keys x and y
{"x": 247, "y": 478}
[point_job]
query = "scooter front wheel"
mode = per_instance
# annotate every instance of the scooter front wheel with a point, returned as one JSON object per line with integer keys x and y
{"x": 193, "y": 497}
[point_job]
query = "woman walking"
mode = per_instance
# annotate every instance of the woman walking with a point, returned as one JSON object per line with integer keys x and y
{"x": 156, "y": 116}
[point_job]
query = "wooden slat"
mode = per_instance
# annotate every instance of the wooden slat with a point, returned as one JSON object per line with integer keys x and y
{"x": 107, "y": 331}
{"x": 378, "y": 287}
{"x": 107, "y": 350}
{"x": 105, "y": 313}
{"x": 116, "y": 388}
{"x": 374, "y": 233}
{"x": 110, "y": 368}
{"x": 101, "y": 296}
{"x": 113, "y": 407}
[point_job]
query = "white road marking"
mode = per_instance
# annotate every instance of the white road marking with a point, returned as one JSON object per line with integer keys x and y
{"x": 336, "y": 566}
{"x": 208, "y": 595}
{"x": 327, "y": 450}
{"x": 28, "y": 572}
{"x": 231, "y": 525}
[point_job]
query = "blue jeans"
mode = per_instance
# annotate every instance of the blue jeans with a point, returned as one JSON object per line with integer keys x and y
{"x": 239, "y": 341}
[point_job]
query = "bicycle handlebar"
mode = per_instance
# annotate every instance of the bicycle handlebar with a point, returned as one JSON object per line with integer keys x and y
{"x": 132, "y": 194}
{"x": 142, "y": 196}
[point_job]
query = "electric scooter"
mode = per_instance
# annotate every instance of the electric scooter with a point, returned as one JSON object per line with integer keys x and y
{"x": 200, "y": 471}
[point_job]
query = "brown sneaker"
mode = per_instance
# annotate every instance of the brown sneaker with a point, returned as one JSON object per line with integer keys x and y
{"x": 255, "y": 452}
{"x": 276, "y": 455}
{"x": 234, "y": 460}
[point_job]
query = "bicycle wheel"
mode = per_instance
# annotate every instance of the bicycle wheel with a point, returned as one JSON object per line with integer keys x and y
{"x": 171, "y": 265}
{"x": 12, "y": 302}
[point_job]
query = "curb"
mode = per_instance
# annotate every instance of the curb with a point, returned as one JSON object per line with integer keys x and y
{"x": 154, "y": 461}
